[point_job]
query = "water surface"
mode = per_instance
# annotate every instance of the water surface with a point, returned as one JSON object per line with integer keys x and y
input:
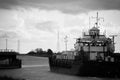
{"x": 37, "y": 68}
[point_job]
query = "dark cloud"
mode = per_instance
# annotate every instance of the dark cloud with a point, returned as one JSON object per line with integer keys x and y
{"x": 101, "y": 4}
{"x": 75, "y": 6}
{"x": 46, "y": 26}
{"x": 67, "y": 6}
{"x": 8, "y": 4}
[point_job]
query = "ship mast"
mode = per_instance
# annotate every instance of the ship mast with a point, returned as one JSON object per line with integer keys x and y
{"x": 98, "y": 19}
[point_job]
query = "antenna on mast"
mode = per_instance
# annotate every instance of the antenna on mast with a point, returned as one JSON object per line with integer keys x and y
{"x": 98, "y": 19}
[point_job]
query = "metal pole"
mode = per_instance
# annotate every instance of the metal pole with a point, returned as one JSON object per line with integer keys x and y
{"x": 89, "y": 23}
{"x": 6, "y": 43}
{"x": 18, "y": 45}
{"x": 66, "y": 46}
{"x": 66, "y": 42}
{"x": 58, "y": 45}
{"x": 97, "y": 20}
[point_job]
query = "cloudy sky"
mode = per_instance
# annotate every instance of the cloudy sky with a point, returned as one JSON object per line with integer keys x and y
{"x": 36, "y": 22}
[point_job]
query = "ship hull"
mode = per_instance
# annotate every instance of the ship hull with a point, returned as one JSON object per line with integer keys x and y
{"x": 79, "y": 68}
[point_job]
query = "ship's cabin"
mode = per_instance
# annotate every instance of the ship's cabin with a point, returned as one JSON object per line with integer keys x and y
{"x": 94, "y": 32}
{"x": 94, "y": 45}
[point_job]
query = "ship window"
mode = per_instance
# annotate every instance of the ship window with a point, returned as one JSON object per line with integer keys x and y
{"x": 86, "y": 44}
{"x": 103, "y": 44}
{"x": 78, "y": 41}
{"x": 97, "y": 44}
{"x": 100, "y": 56}
{"x": 81, "y": 44}
{"x": 100, "y": 44}
{"x": 92, "y": 44}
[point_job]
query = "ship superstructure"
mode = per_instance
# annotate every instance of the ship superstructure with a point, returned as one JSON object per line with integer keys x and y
{"x": 95, "y": 46}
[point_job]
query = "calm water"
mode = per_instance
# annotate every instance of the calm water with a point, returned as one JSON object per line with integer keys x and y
{"x": 37, "y": 68}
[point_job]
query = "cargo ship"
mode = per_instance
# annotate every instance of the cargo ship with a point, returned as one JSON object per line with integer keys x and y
{"x": 94, "y": 55}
